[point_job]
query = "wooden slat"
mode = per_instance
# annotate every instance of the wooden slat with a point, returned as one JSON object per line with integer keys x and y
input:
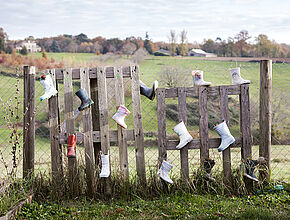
{"x": 265, "y": 114}
{"x": 93, "y": 73}
{"x": 56, "y": 151}
{"x": 95, "y": 118}
{"x": 182, "y": 117}
{"x": 104, "y": 123}
{"x": 195, "y": 143}
{"x": 87, "y": 126}
{"x": 203, "y": 124}
{"x": 227, "y": 152}
{"x": 161, "y": 117}
{"x": 69, "y": 120}
{"x": 122, "y": 142}
{"x": 245, "y": 127}
{"x": 29, "y": 120}
{"x": 139, "y": 136}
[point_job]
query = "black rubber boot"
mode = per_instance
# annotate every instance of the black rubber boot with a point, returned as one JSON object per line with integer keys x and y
{"x": 250, "y": 166}
{"x": 85, "y": 99}
{"x": 208, "y": 165}
{"x": 148, "y": 92}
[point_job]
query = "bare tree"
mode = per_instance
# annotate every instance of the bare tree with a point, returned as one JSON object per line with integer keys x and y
{"x": 172, "y": 42}
{"x": 183, "y": 43}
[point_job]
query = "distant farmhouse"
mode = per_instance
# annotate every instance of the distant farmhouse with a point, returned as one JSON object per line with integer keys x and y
{"x": 200, "y": 53}
{"x": 31, "y": 46}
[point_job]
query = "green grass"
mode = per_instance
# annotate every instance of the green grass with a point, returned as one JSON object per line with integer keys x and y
{"x": 175, "y": 206}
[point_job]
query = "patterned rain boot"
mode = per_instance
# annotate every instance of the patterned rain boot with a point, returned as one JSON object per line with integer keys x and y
{"x": 105, "y": 172}
{"x": 120, "y": 115}
{"x": 198, "y": 78}
{"x": 163, "y": 172}
{"x": 250, "y": 166}
{"x": 236, "y": 77}
{"x": 208, "y": 165}
{"x": 49, "y": 88}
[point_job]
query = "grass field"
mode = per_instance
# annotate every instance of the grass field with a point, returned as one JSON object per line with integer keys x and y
{"x": 154, "y": 68}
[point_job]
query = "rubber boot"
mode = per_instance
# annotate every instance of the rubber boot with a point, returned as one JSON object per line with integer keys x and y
{"x": 227, "y": 139}
{"x": 208, "y": 165}
{"x": 85, "y": 99}
{"x": 71, "y": 146}
{"x": 105, "y": 172}
{"x": 148, "y": 92}
{"x": 120, "y": 115}
{"x": 183, "y": 135}
{"x": 49, "y": 88}
{"x": 236, "y": 77}
{"x": 250, "y": 166}
{"x": 198, "y": 78}
{"x": 163, "y": 172}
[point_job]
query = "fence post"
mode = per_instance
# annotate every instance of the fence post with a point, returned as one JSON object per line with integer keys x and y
{"x": 265, "y": 114}
{"x": 29, "y": 120}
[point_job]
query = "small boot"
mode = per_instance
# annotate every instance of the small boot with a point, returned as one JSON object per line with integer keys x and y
{"x": 183, "y": 135}
{"x": 208, "y": 165}
{"x": 227, "y": 139}
{"x": 105, "y": 172}
{"x": 163, "y": 172}
{"x": 120, "y": 115}
{"x": 236, "y": 77}
{"x": 148, "y": 92}
{"x": 85, "y": 99}
{"x": 49, "y": 88}
{"x": 198, "y": 78}
{"x": 250, "y": 166}
{"x": 71, "y": 146}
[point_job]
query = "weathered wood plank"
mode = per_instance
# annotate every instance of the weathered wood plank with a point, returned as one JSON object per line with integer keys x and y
{"x": 56, "y": 151}
{"x": 138, "y": 130}
{"x": 88, "y": 143}
{"x": 161, "y": 117}
{"x": 203, "y": 124}
{"x": 182, "y": 117}
{"x": 245, "y": 127}
{"x": 29, "y": 121}
{"x": 93, "y": 73}
{"x": 265, "y": 114}
{"x": 227, "y": 152}
{"x": 69, "y": 121}
{"x": 122, "y": 142}
{"x": 104, "y": 123}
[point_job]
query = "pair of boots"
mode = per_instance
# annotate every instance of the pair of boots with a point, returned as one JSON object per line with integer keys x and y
{"x": 250, "y": 166}
{"x": 222, "y": 129}
{"x": 235, "y": 75}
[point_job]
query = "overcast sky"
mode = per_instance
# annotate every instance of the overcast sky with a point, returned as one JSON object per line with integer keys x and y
{"x": 123, "y": 18}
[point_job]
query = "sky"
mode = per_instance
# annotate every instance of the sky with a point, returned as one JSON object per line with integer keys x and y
{"x": 202, "y": 19}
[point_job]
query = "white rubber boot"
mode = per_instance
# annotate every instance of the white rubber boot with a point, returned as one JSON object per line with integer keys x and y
{"x": 105, "y": 165}
{"x": 163, "y": 172}
{"x": 49, "y": 88}
{"x": 227, "y": 139}
{"x": 183, "y": 135}
{"x": 236, "y": 77}
{"x": 198, "y": 78}
{"x": 120, "y": 115}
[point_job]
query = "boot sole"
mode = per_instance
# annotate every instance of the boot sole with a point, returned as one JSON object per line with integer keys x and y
{"x": 219, "y": 150}
{"x": 86, "y": 106}
{"x": 187, "y": 141}
{"x": 248, "y": 176}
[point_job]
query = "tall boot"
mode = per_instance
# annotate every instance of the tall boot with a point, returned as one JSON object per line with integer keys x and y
{"x": 49, "y": 88}
{"x": 250, "y": 166}
{"x": 163, "y": 172}
{"x": 225, "y": 134}
{"x": 183, "y": 135}
{"x": 71, "y": 146}
{"x": 208, "y": 165}
{"x": 85, "y": 99}
{"x": 105, "y": 172}
{"x": 120, "y": 115}
{"x": 198, "y": 78}
{"x": 148, "y": 92}
{"x": 236, "y": 77}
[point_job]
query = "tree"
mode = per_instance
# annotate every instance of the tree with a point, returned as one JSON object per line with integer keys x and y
{"x": 55, "y": 47}
{"x": 3, "y": 38}
{"x": 209, "y": 46}
{"x": 183, "y": 43}
{"x": 23, "y": 51}
{"x": 148, "y": 44}
{"x": 241, "y": 43}
{"x": 172, "y": 42}
{"x": 81, "y": 38}
{"x": 128, "y": 48}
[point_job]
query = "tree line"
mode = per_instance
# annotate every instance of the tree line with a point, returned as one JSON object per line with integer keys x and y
{"x": 240, "y": 45}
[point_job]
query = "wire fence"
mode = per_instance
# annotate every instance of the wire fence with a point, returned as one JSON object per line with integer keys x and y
{"x": 169, "y": 73}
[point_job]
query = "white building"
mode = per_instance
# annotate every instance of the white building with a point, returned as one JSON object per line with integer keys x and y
{"x": 200, "y": 53}
{"x": 31, "y": 46}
